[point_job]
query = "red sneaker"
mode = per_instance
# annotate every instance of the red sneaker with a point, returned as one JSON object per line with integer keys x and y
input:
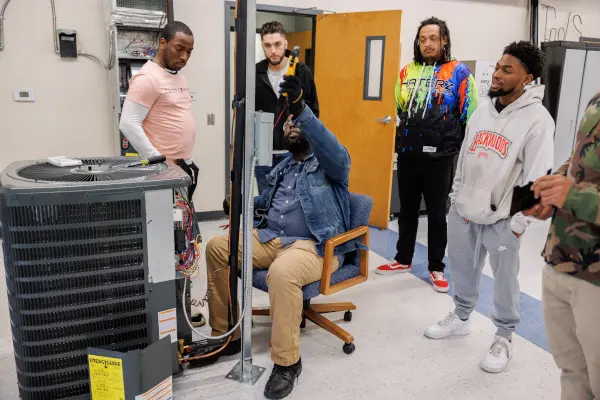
{"x": 392, "y": 267}
{"x": 440, "y": 284}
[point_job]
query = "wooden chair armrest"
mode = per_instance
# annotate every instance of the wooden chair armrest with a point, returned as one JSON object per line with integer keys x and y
{"x": 361, "y": 232}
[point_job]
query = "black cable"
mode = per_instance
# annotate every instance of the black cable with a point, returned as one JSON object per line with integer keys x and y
{"x": 238, "y": 156}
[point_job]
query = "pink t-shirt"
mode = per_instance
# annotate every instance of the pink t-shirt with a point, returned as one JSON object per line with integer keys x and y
{"x": 169, "y": 125}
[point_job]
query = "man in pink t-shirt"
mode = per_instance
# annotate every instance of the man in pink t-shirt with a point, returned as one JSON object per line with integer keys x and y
{"x": 157, "y": 117}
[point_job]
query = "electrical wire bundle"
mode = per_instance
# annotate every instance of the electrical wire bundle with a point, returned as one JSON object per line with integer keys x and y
{"x": 188, "y": 260}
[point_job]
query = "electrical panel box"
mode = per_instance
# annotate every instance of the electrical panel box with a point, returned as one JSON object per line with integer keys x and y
{"x": 134, "y": 48}
{"x": 67, "y": 41}
{"x": 263, "y": 138}
{"x": 137, "y": 44}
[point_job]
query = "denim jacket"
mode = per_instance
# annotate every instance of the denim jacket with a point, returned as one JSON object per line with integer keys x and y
{"x": 322, "y": 186}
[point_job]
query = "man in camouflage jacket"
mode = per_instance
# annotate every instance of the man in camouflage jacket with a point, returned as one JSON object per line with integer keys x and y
{"x": 571, "y": 280}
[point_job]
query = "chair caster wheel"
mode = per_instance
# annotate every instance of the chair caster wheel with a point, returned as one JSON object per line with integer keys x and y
{"x": 349, "y": 348}
{"x": 303, "y": 323}
{"x": 348, "y": 316}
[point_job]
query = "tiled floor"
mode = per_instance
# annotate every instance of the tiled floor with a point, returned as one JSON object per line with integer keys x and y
{"x": 393, "y": 360}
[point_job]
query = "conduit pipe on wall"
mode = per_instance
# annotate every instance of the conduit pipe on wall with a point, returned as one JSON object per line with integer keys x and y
{"x": 534, "y": 21}
{"x": 111, "y": 55}
{"x": 2, "y": 11}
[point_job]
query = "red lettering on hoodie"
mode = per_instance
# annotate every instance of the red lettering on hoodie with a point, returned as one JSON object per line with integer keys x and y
{"x": 490, "y": 141}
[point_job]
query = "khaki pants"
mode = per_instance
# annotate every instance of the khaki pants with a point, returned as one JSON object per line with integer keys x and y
{"x": 289, "y": 269}
{"x": 573, "y": 325}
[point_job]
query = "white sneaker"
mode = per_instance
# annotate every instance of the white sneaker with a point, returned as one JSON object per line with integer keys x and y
{"x": 497, "y": 358}
{"x": 449, "y": 326}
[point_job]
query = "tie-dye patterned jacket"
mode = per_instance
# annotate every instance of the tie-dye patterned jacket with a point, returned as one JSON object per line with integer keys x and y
{"x": 433, "y": 117}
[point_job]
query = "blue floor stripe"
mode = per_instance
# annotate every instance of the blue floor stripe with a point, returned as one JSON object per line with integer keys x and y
{"x": 531, "y": 328}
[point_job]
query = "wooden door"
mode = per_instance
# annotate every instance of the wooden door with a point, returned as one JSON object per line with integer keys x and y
{"x": 303, "y": 39}
{"x": 357, "y": 60}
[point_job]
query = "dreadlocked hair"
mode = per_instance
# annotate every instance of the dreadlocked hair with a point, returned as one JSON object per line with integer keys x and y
{"x": 446, "y": 53}
{"x": 530, "y": 55}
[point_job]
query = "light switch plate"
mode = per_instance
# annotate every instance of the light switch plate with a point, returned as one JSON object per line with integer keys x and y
{"x": 27, "y": 95}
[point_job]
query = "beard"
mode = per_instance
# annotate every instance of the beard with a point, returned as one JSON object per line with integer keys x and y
{"x": 169, "y": 65}
{"x": 500, "y": 92}
{"x": 276, "y": 62}
{"x": 297, "y": 146}
{"x": 430, "y": 60}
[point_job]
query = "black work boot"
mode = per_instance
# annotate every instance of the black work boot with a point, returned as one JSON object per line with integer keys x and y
{"x": 281, "y": 381}
{"x": 234, "y": 347}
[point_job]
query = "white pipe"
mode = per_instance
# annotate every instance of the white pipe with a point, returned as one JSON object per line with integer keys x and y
{"x": 202, "y": 335}
{"x": 54, "y": 30}
{"x": 2, "y": 11}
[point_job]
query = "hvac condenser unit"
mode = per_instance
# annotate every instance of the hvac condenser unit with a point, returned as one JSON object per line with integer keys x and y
{"x": 89, "y": 260}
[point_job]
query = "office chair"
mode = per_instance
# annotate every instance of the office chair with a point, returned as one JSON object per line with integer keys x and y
{"x": 353, "y": 271}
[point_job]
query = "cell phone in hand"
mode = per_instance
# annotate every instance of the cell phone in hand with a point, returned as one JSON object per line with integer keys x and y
{"x": 523, "y": 198}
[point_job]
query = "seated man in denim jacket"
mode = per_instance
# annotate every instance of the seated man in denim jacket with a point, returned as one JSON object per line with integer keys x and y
{"x": 305, "y": 203}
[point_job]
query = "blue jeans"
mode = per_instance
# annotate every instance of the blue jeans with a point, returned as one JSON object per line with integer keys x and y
{"x": 261, "y": 172}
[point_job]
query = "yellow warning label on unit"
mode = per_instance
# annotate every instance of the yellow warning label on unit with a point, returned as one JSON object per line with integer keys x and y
{"x": 131, "y": 155}
{"x": 106, "y": 378}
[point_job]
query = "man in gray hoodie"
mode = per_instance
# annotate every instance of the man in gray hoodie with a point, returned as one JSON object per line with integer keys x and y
{"x": 508, "y": 143}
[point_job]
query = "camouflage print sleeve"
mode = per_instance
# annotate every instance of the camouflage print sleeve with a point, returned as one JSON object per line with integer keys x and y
{"x": 564, "y": 168}
{"x": 583, "y": 201}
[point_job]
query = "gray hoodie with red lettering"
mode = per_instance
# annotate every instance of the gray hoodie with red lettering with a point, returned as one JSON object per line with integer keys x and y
{"x": 501, "y": 151}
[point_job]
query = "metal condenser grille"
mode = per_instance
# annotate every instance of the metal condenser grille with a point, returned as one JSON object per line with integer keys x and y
{"x": 76, "y": 278}
{"x": 151, "y": 5}
{"x": 91, "y": 170}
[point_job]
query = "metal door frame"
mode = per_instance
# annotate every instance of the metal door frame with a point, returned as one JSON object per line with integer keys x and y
{"x": 262, "y": 8}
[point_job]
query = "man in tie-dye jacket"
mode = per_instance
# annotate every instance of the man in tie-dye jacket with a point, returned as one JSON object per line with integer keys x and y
{"x": 435, "y": 96}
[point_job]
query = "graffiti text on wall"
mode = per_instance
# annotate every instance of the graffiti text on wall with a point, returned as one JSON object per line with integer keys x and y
{"x": 559, "y": 32}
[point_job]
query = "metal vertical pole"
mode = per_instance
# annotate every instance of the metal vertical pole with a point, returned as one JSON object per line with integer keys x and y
{"x": 534, "y": 21}
{"x": 245, "y": 371}
{"x": 248, "y": 371}
{"x": 237, "y": 162}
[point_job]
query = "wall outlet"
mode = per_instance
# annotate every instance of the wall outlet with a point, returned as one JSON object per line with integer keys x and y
{"x": 27, "y": 95}
{"x": 210, "y": 120}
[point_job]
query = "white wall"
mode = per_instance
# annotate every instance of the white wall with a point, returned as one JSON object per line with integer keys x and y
{"x": 589, "y": 12}
{"x": 72, "y": 114}
{"x": 72, "y": 111}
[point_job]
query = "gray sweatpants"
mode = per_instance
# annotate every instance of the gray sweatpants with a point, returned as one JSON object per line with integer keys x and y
{"x": 468, "y": 245}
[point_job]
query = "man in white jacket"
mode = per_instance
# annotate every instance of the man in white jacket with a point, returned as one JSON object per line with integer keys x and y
{"x": 508, "y": 143}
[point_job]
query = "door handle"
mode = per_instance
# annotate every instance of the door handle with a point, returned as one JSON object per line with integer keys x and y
{"x": 385, "y": 120}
